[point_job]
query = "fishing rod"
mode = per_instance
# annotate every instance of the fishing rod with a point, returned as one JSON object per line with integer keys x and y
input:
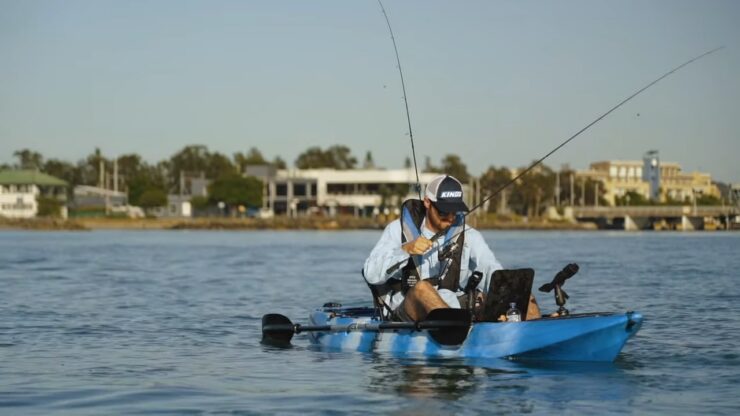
{"x": 540, "y": 160}
{"x": 405, "y": 100}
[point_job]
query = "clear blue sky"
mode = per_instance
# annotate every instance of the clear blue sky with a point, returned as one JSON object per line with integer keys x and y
{"x": 497, "y": 82}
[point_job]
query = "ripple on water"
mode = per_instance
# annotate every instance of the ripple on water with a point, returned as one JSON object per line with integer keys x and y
{"x": 169, "y": 323}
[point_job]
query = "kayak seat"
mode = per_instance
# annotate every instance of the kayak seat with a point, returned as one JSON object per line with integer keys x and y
{"x": 382, "y": 310}
{"x": 506, "y": 287}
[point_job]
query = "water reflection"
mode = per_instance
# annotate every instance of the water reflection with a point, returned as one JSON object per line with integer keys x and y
{"x": 514, "y": 385}
{"x": 447, "y": 379}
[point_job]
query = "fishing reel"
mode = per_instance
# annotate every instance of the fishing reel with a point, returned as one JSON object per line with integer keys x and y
{"x": 557, "y": 282}
{"x": 446, "y": 252}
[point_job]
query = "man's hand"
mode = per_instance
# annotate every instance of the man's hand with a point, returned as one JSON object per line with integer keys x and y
{"x": 419, "y": 246}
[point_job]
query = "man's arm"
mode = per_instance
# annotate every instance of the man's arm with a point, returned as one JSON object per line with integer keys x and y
{"x": 387, "y": 252}
{"x": 482, "y": 258}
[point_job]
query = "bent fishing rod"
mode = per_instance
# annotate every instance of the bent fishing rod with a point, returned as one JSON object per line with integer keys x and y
{"x": 540, "y": 160}
{"x": 405, "y": 100}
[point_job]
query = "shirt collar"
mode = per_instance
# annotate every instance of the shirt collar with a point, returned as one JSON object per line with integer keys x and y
{"x": 425, "y": 231}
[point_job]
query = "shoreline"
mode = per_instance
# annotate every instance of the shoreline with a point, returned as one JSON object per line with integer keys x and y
{"x": 340, "y": 223}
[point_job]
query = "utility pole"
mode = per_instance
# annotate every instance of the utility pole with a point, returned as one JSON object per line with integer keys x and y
{"x": 557, "y": 188}
{"x": 106, "y": 186}
{"x": 478, "y": 195}
{"x": 596, "y": 194}
{"x": 583, "y": 192}
{"x": 115, "y": 175}
{"x": 101, "y": 172}
{"x": 572, "y": 190}
{"x": 182, "y": 183}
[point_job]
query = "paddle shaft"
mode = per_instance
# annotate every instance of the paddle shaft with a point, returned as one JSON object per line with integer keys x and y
{"x": 366, "y": 326}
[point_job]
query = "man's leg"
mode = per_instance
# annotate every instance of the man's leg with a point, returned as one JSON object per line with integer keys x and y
{"x": 533, "y": 310}
{"x": 420, "y": 300}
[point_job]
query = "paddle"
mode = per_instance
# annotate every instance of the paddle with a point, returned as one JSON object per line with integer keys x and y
{"x": 445, "y": 326}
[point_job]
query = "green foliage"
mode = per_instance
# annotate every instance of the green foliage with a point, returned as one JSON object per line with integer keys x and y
{"x": 147, "y": 179}
{"x": 194, "y": 159}
{"x": 63, "y": 170}
{"x": 28, "y": 159}
{"x": 392, "y": 195}
{"x": 90, "y": 167}
{"x": 199, "y": 202}
{"x": 369, "y": 163}
{"x": 590, "y": 187}
{"x": 253, "y": 157}
{"x": 708, "y": 200}
{"x": 492, "y": 181}
{"x": 49, "y": 207}
{"x": 453, "y": 166}
{"x": 130, "y": 165}
{"x": 190, "y": 159}
{"x": 632, "y": 198}
{"x": 279, "y": 163}
{"x": 532, "y": 191}
{"x": 311, "y": 159}
{"x": 152, "y": 198}
{"x": 234, "y": 190}
{"x": 219, "y": 165}
{"x": 335, "y": 157}
{"x": 429, "y": 166}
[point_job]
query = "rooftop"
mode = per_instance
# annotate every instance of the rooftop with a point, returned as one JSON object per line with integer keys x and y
{"x": 29, "y": 177}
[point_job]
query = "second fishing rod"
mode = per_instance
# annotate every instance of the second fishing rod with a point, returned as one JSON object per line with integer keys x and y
{"x": 441, "y": 233}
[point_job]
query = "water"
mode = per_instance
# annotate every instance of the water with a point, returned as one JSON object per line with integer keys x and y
{"x": 150, "y": 322}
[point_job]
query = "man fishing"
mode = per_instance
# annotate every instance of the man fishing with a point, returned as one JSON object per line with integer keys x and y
{"x": 431, "y": 279}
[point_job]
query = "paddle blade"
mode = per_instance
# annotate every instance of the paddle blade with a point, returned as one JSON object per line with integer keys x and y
{"x": 277, "y": 329}
{"x": 448, "y": 326}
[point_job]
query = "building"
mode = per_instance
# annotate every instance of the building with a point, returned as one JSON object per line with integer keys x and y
{"x": 735, "y": 194}
{"x": 619, "y": 177}
{"x": 20, "y": 191}
{"x": 651, "y": 173}
{"x": 177, "y": 206}
{"x": 95, "y": 197}
{"x": 94, "y": 201}
{"x": 359, "y": 192}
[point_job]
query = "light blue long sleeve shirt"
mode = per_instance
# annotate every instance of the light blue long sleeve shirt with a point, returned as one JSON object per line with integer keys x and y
{"x": 476, "y": 256}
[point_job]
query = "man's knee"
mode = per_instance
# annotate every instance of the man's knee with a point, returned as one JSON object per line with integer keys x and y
{"x": 420, "y": 288}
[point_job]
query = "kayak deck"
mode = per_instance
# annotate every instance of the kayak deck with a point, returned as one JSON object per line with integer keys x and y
{"x": 578, "y": 337}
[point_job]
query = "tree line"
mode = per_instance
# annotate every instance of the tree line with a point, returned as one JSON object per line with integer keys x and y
{"x": 148, "y": 184}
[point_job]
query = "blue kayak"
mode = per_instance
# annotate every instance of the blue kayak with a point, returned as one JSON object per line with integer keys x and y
{"x": 577, "y": 337}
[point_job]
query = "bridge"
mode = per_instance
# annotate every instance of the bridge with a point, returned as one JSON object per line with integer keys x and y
{"x": 672, "y": 217}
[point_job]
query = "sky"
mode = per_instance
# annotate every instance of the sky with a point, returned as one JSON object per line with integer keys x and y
{"x": 496, "y": 82}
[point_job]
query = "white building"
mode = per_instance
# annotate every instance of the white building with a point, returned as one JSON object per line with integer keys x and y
{"x": 177, "y": 206}
{"x": 359, "y": 192}
{"x": 21, "y": 189}
{"x": 93, "y": 196}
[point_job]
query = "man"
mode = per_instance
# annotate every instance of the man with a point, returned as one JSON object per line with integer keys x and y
{"x": 434, "y": 277}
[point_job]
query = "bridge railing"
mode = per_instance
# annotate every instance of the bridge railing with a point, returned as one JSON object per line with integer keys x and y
{"x": 655, "y": 211}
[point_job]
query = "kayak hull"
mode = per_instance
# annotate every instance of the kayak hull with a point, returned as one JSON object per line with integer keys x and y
{"x": 583, "y": 337}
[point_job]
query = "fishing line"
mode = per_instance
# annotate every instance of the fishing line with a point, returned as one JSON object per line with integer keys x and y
{"x": 405, "y": 100}
{"x": 537, "y": 162}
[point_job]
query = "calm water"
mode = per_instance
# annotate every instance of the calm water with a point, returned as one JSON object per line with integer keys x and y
{"x": 169, "y": 323}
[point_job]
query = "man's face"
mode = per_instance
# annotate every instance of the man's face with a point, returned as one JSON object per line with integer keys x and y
{"x": 438, "y": 220}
